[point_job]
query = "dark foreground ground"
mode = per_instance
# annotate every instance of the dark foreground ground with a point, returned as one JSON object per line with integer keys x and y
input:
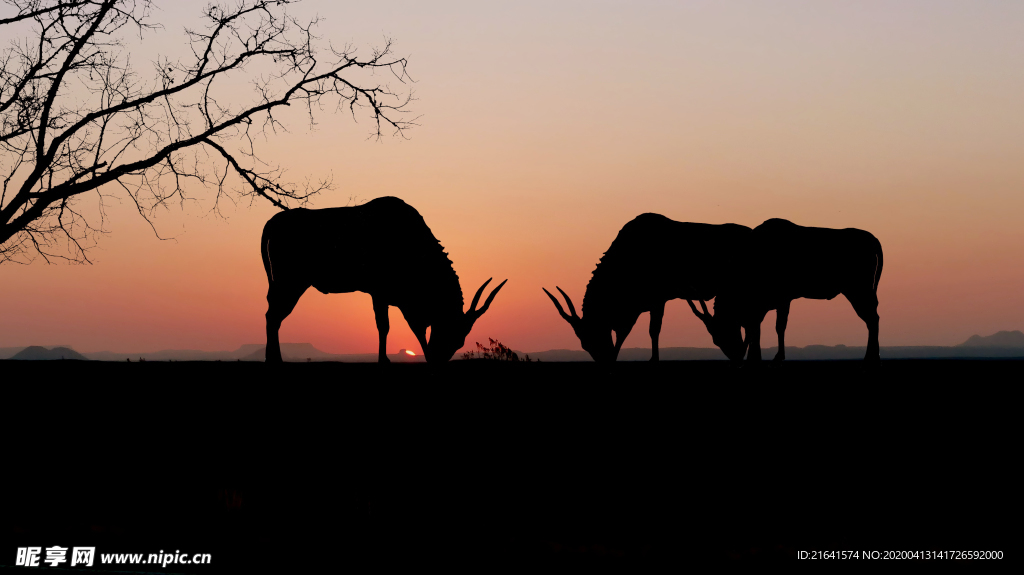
{"x": 327, "y": 467}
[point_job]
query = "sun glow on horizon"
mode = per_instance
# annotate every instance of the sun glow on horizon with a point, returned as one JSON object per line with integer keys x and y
{"x": 878, "y": 116}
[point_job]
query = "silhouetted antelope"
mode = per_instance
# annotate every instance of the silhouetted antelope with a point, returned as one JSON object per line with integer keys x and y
{"x": 654, "y": 260}
{"x": 794, "y": 262}
{"x": 382, "y": 248}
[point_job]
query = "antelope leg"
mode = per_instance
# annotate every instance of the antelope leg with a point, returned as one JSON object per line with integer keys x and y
{"x": 781, "y": 319}
{"x": 657, "y": 314}
{"x": 865, "y": 303}
{"x": 281, "y": 300}
{"x": 754, "y": 336}
{"x": 380, "y": 313}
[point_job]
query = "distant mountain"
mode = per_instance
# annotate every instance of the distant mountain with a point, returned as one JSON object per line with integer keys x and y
{"x": 162, "y": 355}
{"x": 999, "y": 339}
{"x": 556, "y": 355}
{"x": 630, "y": 354}
{"x": 1001, "y": 344}
{"x": 290, "y": 352}
{"x": 241, "y": 353}
{"x": 306, "y": 352}
{"x": 35, "y": 352}
{"x": 816, "y": 352}
{"x": 247, "y": 352}
{"x": 810, "y": 352}
{"x": 9, "y": 352}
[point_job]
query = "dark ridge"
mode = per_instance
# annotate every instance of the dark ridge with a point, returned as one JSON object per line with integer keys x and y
{"x": 9, "y": 352}
{"x": 1013, "y": 338}
{"x": 35, "y": 352}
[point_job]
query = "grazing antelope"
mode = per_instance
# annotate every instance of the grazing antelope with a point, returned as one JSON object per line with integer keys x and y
{"x": 382, "y": 248}
{"x": 654, "y": 260}
{"x": 800, "y": 262}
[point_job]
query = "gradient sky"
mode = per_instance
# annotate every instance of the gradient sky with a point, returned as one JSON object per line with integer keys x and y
{"x": 546, "y": 126}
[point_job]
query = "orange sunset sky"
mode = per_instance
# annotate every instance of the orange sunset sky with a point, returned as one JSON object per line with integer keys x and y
{"x": 546, "y": 126}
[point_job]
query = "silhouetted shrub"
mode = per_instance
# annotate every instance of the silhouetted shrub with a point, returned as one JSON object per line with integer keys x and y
{"x": 496, "y": 351}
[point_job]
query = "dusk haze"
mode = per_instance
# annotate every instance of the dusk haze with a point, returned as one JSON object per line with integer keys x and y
{"x": 542, "y": 128}
{"x": 299, "y": 286}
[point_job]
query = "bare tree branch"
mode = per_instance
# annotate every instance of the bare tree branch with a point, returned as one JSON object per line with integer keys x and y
{"x": 75, "y": 115}
{"x": 33, "y": 9}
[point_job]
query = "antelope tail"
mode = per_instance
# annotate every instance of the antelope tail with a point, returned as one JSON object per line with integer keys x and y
{"x": 265, "y": 252}
{"x": 878, "y": 265}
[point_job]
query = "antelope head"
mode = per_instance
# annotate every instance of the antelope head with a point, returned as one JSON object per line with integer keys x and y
{"x": 724, "y": 329}
{"x": 596, "y": 340}
{"x": 447, "y": 337}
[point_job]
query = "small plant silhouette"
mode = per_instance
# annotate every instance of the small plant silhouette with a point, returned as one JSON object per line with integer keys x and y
{"x": 495, "y": 351}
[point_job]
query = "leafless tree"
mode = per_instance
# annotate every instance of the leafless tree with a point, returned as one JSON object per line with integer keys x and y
{"x": 78, "y": 121}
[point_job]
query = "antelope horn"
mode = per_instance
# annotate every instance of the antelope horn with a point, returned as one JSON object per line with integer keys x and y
{"x": 558, "y": 306}
{"x": 491, "y": 298}
{"x": 568, "y": 302}
{"x": 476, "y": 298}
{"x": 571, "y": 319}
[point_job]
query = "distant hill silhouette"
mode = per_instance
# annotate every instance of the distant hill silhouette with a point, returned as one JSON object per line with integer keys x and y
{"x": 164, "y": 355}
{"x": 301, "y": 352}
{"x": 631, "y": 354}
{"x": 247, "y": 352}
{"x": 295, "y": 350}
{"x": 306, "y": 351}
{"x": 35, "y": 352}
{"x": 1013, "y": 338}
{"x": 810, "y": 352}
{"x": 291, "y": 352}
{"x": 1001, "y": 344}
{"x": 9, "y": 352}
